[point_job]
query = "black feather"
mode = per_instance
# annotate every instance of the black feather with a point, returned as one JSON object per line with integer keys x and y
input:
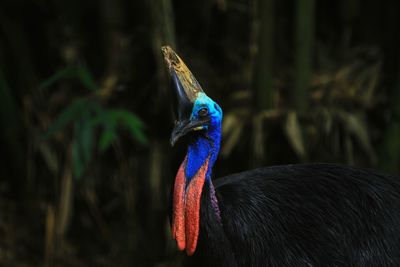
{"x": 302, "y": 215}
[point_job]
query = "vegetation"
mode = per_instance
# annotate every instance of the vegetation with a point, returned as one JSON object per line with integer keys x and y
{"x": 85, "y": 110}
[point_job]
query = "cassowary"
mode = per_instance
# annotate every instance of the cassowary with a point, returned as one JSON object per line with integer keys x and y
{"x": 293, "y": 215}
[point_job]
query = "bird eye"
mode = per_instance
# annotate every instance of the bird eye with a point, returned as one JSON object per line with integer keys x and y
{"x": 202, "y": 112}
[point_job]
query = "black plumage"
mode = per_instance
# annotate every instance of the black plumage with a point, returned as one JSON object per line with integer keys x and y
{"x": 302, "y": 215}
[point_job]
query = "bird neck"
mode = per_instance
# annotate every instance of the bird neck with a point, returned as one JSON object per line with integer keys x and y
{"x": 202, "y": 153}
{"x": 194, "y": 174}
{"x": 204, "y": 148}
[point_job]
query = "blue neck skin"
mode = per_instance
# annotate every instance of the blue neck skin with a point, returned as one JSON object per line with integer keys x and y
{"x": 202, "y": 148}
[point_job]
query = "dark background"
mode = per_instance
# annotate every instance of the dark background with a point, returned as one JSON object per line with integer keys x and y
{"x": 86, "y": 167}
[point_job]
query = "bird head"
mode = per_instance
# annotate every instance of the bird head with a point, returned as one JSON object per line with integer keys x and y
{"x": 194, "y": 110}
{"x": 199, "y": 115}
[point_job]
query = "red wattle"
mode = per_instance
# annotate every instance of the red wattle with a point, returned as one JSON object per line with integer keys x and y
{"x": 178, "y": 222}
{"x": 186, "y": 208}
{"x": 192, "y": 216}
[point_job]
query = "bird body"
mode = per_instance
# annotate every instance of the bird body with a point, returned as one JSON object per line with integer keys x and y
{"x": 302, "y": 215}
{"x": 293, "y": 215}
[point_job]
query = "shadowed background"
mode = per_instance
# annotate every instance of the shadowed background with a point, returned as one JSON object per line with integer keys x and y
{"x": 86, "y": 167}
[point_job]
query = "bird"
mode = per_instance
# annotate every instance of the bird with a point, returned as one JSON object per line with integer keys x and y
{"x": 310, "y": 214}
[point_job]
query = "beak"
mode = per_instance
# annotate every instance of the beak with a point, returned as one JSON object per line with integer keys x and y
{"x": 183, "y": 127}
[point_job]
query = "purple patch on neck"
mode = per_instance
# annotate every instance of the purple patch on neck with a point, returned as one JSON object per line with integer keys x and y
{"x": 214, "y": 202}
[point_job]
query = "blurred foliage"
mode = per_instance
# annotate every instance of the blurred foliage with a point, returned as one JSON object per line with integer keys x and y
{"x": 86, "y": 114}
{"x": 337, "y": 119}
{"x": 299, "y": 81}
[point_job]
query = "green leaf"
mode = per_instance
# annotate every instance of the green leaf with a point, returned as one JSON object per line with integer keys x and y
{"x": 106, "y": 139}
{"x": 86, "y": 78}
{"x": 65, "y": 73}
{"x": 66, "y": 116}
{"x": 86, "y": 136}
{"x": 109, "y": 133}
{"x": 72, "y": 72}
{"x": 82, "y": 150}
{"x": 126, "y": 117}
{"x": 130, "y": 121}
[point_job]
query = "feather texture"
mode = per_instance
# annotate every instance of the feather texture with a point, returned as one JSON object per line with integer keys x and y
{"x": 302, "y": 215}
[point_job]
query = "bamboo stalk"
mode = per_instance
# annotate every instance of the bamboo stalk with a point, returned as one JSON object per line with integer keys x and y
{"x": 389, "y": 156}
{"x": 116, "y": 46}
{"x": 50, "y": 237}
{"x": 262, "y": 52}
{"x": 264, "y": 61}
{"x": 390, "y": 151}
{"x": 65, "y": 203}
{"x": 163, "y": 34}
{"x": 304, "y": 40}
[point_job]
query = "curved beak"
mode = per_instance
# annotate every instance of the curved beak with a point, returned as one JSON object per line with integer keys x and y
{"x": 183, "y": 127}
